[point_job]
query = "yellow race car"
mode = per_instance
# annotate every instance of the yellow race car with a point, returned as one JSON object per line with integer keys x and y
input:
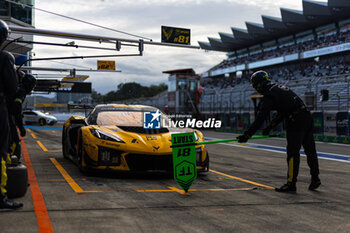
{"x": 114, "y": 137}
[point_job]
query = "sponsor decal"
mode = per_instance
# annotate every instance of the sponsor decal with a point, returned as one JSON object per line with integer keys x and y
{"x": 183, "y": 139}
{"x": 151, "y": 138}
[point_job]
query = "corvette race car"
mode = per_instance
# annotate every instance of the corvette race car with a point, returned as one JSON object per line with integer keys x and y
{"x": 112, "y": 137}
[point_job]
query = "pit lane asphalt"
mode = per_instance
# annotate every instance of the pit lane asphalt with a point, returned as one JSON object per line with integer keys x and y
{"x": 230, "y": 198}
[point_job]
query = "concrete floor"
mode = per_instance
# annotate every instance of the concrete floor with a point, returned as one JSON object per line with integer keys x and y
{"x": 233, "y": 197}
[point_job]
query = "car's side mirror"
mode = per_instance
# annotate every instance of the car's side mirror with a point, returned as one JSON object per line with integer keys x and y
{"x": 78, "y": 121}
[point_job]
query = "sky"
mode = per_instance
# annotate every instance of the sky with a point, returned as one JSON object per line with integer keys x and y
{"x": 205, "y": 18}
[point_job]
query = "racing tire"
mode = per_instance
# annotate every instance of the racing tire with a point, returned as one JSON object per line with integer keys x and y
{"x": 42, "y": 121}
{"x": 64, "y": 146}
{"x": 17, "y": 181}
{"x": 207, "y": 162}
{"x": 80, "y": 152}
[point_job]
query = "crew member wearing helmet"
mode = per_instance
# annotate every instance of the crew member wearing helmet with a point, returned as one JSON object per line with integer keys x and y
{"x": 8, "y": 88}
{"x": 299, "y": 127}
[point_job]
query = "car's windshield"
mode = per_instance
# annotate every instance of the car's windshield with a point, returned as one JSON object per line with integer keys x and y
{"x": 122, "y": 118}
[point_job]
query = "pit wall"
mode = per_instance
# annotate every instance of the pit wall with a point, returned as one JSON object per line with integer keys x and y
{"x": 328, "y": 126}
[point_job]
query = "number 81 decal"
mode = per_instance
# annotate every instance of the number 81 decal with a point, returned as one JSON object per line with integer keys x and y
{"x": 182, "y": 39}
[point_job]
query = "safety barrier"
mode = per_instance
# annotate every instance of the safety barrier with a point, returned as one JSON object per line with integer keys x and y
{"x": 239, "y": 122}
{"x": 334, "y": 139}
{"x": 343, "y": 123}
{"x": 318, "y": 122}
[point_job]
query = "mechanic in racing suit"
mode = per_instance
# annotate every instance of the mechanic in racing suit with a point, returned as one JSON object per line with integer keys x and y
{"x": 27, "y": 83}
{"x": 299, "y": 127}
{"x": 8, "y": 88}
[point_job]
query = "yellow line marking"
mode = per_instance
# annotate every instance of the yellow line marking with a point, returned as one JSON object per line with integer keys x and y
{"x": 154, "y": 191}
{"x": 33, "y": 135}
{"x": 67, "y": 177}
{"x": 100, "y": 191}
{"x": 172, "y": 189}
{"x": 29, "y": 130}
{"x": 127, "y": 191}
{"x": 179, "y": 190}
{"x": 224, "y": 178}
{"x": 243, "y": 180}
{"x": 78, "y": 189}
{"x": 41, "y": 145}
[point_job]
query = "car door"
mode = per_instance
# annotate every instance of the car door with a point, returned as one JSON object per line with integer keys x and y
{"x": 29, "y": 117}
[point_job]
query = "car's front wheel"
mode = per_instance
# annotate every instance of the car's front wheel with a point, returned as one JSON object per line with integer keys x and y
{"x": 64, "y": 145}
{"x": 42, "y": 121}
{"x": 207, "y": 162}
{"x": 80, "y": 152}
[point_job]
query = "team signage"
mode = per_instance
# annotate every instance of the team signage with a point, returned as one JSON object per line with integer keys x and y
{"x": 184, "y": 159}
{"x": 327, "y": 50}
{"x": 77, "y": 78}
{"x": 66, "y": 86}
{"x": 74, "y": 87}
{"x": 105, "y": 65}
{"x": 176, "y": 35}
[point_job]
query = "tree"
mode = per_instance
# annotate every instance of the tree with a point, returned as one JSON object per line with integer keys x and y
{"x": 97, "y": 97}
{"x": 130, "y": 90}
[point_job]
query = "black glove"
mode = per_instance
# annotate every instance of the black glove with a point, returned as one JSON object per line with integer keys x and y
{"x": 267, "y": 130}
{"x": 243, "y": 138}
{"x": 22, "y": 131}
{"x": 15, "y": 108}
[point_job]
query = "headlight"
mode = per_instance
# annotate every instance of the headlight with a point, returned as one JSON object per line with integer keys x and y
{"x": 105, "y": 136}
{"x": 196, "y": 137}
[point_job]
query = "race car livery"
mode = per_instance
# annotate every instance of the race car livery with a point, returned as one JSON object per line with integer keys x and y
{"x": 113, "y": 137}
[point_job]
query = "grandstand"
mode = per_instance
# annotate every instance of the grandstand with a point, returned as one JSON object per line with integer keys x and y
{"x": 308, "y": 50}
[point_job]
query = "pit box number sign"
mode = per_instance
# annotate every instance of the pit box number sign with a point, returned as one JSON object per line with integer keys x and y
{"x": 184, "y": 159}
{"x": 105, "y": 65}
{"x": 176, "y": 35}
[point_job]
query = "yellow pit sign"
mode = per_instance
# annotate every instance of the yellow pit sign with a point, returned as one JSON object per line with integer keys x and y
{"x": 105, "y": 65}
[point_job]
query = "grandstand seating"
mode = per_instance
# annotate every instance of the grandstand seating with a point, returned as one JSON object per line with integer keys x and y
{"x": 237, "y": 98}
{"x": 320, "y": 42}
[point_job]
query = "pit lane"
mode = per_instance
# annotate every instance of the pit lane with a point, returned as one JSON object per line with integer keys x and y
{"x": 235, "y": 195}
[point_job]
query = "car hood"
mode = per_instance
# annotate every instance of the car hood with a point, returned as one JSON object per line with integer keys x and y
{"x": 144, "y": 143}
{"x": 50, "y": 117}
